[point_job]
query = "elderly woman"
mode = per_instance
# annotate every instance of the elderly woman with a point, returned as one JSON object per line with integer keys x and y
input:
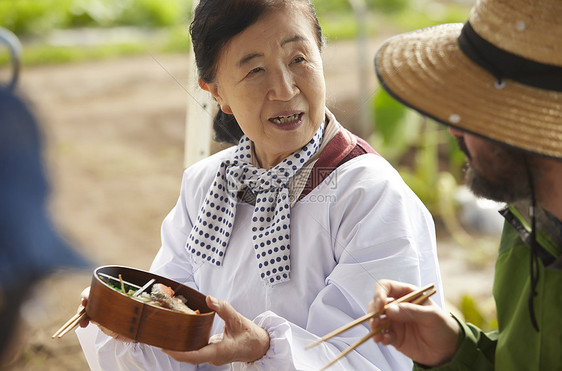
{"x": 291, "y": 228}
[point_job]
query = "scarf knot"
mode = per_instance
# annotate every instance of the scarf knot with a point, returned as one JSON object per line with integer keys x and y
{"x": 270, "y": 224}
{"x": 241, "y": 175}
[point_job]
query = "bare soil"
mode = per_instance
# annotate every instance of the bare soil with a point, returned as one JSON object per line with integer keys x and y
{"x": 114, "y": 134}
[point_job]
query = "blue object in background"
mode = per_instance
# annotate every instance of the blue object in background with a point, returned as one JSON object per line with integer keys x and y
{"x": 29, "y": 245}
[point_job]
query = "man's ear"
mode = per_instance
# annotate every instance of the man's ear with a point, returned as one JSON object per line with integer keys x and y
{"x": 213, "y": 88}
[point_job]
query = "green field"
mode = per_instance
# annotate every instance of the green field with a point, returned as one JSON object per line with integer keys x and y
{"x": 162, "y": 25}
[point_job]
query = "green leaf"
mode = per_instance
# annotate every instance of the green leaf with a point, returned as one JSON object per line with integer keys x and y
{"x": 471, "y": 312}
{"x": 388, "y": 114}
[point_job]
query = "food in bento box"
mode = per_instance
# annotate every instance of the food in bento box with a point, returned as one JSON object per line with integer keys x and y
{"x": 160, "y": 295}
{"x": 165, "y": 296}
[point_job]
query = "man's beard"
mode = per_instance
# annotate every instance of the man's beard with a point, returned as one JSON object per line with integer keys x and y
{"x": 501, "y": 174}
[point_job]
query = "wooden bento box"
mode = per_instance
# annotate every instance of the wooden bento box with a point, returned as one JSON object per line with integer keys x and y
{"x": 146, "y": 323}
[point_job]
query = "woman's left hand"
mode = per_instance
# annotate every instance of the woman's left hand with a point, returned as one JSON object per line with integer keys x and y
{"x": 242, "y": 340}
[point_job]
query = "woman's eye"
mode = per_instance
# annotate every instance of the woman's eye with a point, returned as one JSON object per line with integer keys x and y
{"x": 255, "y": 70}
{"x": 298, "y": 60}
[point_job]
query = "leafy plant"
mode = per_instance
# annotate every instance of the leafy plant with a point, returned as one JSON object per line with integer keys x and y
{"x": 388, "y": 5}
{"x": 395, "y": 126}
{"x": 35, "y": 17}
{"x": 153, "y": 13}
{"x": 482, "y": 315}
{"x": 331, "y": 6}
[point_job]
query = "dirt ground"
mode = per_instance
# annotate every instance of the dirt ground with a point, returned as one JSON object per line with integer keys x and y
{"x": 114, "y": 133}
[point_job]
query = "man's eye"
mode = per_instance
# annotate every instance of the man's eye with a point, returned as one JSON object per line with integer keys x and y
{"x": 298, "y": 60}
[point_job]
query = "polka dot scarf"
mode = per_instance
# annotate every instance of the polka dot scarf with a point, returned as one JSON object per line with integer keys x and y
{"x": 271, "y": 237}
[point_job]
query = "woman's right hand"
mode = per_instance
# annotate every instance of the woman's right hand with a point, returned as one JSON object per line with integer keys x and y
{"x": 86, "y": 321}
{"x": 422, "y": 332}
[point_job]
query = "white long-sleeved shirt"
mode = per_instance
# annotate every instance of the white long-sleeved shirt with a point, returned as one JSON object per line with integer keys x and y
{"x": 358, "y": 226}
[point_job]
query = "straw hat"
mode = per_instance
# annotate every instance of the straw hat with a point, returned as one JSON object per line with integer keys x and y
{"x": 498, "y": 76}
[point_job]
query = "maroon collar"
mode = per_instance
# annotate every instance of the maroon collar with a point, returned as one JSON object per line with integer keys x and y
{"x": 343, "y": 147}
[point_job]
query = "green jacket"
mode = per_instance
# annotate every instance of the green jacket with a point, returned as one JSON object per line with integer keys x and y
{"x": 516, "y": 345}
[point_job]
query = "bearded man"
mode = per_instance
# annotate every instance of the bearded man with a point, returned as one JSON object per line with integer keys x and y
{"x": 496, "y": 81}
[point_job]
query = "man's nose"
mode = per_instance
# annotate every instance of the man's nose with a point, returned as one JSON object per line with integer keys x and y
{"x": 455, "y": 132}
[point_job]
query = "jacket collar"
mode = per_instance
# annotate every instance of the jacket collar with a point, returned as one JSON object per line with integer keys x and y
{"x": 549, "y": 229}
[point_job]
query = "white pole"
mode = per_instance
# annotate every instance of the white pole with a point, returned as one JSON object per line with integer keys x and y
{"x": 360, "y": 9}
{"x": 201, "y": 109}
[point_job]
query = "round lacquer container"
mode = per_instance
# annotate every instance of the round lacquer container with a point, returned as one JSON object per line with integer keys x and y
{"x": 144, "y": 322}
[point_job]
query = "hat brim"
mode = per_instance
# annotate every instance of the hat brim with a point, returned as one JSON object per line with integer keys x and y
{"x": 427, "y": 71}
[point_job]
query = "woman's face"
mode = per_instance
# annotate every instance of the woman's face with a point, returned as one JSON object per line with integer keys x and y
{"x": 270, "y": 77}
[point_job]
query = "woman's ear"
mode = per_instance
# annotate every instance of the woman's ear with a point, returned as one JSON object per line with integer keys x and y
{"x": 226, "y": 109}
{"x": 203, "y": 85}
{"x": 213, "y": 88}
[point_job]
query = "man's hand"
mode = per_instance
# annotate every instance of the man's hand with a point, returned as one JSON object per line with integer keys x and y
{"x": 423, "y": 332}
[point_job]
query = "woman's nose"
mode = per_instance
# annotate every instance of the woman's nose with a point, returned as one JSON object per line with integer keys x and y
{"x": 282, "y": 85}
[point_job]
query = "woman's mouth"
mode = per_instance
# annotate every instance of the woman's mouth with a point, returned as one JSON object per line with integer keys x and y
{"x": 287, "y": 122}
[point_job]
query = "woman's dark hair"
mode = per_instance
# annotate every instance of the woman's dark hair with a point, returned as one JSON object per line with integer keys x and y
{"x": 214, "y": 24}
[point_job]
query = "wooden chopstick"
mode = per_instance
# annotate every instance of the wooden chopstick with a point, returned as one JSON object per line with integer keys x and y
{"x": 107, "y": 276}
{"x": 75, "y": 319}
{"x": 70, "y": 324}
{"x": 417, "y": 300}
{"x": 355, "y": 345}
{"x": 409, "y": 297}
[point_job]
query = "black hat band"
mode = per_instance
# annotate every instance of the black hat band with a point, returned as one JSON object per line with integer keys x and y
{"x": 506, "y": 65}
